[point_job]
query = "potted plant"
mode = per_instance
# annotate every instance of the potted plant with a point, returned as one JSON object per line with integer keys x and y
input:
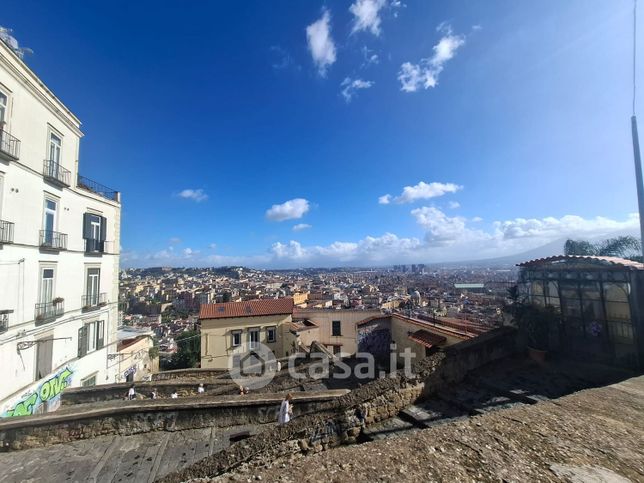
{"x": 57, "y": 300}
{"x": 535, "y": 322}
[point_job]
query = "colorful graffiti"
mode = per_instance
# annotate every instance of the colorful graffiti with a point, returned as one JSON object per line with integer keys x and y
{"x": 46, "y": 393}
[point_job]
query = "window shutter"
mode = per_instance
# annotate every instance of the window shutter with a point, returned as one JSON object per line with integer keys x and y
{"x": 82, "y": 341}
{"x": 100, "y": 334}
{"x": 87, "y": 226}
{"x": 103, "y": 228}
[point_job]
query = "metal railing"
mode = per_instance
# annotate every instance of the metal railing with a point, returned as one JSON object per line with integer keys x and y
{"x": 53, "y": 240}
{"x": 49, "y": 310}
{"x": 93, "y": 245}
{"x": 99, "y": 189}
{"x": 53, "y": 171}
{"x": 9, "y": 145}
{"x": 93, "y": 300}
{"x": 6, "y": 232}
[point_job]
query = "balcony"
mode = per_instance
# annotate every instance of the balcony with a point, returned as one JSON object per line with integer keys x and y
{"x": 6, "y": 232}
{"x": 52, "y": 240}
{"x": 93, "y": 301}
{"x": 47, "y": 311}
{"x": 55, "y": 173}
{"x": 4, "y": 320}
{"x": 97, "y": 188}
{"x": 9, "y": 146}
{"x": 94, "y": 246}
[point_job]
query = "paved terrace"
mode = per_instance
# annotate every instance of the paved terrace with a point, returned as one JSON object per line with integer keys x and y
{"x": 594, "y": 435}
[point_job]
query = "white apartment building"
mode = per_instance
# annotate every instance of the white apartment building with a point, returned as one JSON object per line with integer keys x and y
{"x": 59, "y": 251}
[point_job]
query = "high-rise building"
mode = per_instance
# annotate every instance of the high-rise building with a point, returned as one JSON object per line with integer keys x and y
{"x": 59, "y": 251}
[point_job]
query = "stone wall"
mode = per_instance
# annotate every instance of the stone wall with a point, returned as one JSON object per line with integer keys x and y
{"x": 133, "y": 417}
{"x": 340, "y": 421}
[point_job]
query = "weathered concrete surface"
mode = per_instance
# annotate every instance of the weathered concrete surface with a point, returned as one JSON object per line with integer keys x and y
{"x": 594, "y": 433}
{"x": 139, "y": 458}
{"x": 85, "y": 421}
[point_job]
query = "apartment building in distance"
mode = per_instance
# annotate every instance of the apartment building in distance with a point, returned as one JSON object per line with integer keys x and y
{"x": 59, "y": 251}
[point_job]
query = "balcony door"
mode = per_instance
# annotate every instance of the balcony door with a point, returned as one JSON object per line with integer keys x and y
{"x": 49, "y": 222}
{"x": 3, "y": 108}
{"x": 47, "y": 285}
{"x": 93, "y": 286}
{"x": 55, "y": 146}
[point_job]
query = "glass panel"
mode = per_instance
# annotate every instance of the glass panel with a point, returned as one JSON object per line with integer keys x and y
{"x": 3, "y": 106}
{"x": 617, "y": 292}
{"x": 54, "y": 148}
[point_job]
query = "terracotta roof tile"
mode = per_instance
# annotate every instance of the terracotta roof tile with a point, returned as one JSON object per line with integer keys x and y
{"x": 426, "y": 338}
{"x": 251, "y": 308}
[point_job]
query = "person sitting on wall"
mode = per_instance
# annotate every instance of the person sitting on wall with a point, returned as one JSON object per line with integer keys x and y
{"x": 246, "y": 390}
{"x": 200, "y": 389}
{"x": 131, "y": 393}
{"x": 174, "y": 394}
{"x": 241, "y": 390}
{"x": 154, "y": 394}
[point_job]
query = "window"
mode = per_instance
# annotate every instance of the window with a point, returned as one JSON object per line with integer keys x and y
{"x": 336, "y": 328}
{"x": 337, "y": 350}
{"x": 92, "y": 287}
{"x": 253, "y": 338}
{"x": 91, "y": 337}
{"x": 55, "y": 145}
{"x": 271, "y": 334}
{"x": 49, "y": 220}
{"x": 4, "y": 101}
{"x": 236, "y": 338}
{"x": 94, "y": 231}
{"x": 89, "y": 381}
{"x": 47, "y": 285}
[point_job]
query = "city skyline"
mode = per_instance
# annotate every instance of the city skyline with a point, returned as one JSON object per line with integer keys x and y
{"x": 330, "y": 134}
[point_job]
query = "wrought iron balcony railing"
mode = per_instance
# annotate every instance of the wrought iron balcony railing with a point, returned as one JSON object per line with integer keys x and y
{"x": 46, "y": 311}
{"x": 54, "y": 172}
{"x": 93, "y": 300}
{"x": 99, "y": 189}
{"x": 53, "y": 240}
{"x": 6, "y": 232}
{"x": 9, "y": 145}
{"x": 95, "y": 246}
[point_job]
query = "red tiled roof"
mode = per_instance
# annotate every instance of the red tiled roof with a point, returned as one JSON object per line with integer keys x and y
{"x": 614, "y": 262}
{"x": 426, "y": 338}
{"x": 251, "y": 308}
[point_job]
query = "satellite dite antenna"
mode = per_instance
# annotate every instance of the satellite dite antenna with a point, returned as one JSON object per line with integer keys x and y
{"x": 7, "y": 38}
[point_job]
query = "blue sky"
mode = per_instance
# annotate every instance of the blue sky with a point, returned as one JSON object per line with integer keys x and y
{"x": 270, "y": 133}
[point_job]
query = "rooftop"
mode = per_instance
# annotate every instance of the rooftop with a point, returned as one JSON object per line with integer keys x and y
{"x": 251, "y": 308}
{"x": 608, "y": 262}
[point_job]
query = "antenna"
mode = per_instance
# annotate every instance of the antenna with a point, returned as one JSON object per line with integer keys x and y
{"x": 636, "y": 141}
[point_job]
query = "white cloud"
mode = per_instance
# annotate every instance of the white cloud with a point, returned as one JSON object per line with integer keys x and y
{"x": 477, "y": 219}
{"x": 369, "y": 57}
{"x": 289, "y": 210}
{"x": 301, "y": 226}
{"x": 212, "y": 246}
{"x": 350, "y": 86}
{"x": 321, "y": 45}
{"x": 367, "y": 15}
{"x": 454, "y": 204}
{"x": 421, "y": 191}
{"x": 425, "y": 73}
{"x": 197, "y": 195}
{"x": 189, "y": 252}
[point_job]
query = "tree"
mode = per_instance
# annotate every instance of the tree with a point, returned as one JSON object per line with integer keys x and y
{"x": 188, "y": 353}
{"x": 621, "y": 246}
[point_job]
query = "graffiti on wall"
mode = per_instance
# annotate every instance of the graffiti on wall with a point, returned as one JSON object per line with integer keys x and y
{"x": 45, "y": 397}
{"x": 375, "y": 338}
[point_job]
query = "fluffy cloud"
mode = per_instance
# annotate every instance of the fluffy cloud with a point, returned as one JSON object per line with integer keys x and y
{"x": 350, "y": 86}
{"x": 421, "y": 191}
{"x": 197, "y": 195}
{"x": 321, "y": 45}
{"x": 454, "y": 205}
{"x": 425, "y": 73}
{"x": 301, "y": 226}
{"x": 366, "y": 15}
{"x": 289, "y": 210}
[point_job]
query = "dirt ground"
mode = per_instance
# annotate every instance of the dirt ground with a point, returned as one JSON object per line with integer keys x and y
{"x": 595, "y": 435}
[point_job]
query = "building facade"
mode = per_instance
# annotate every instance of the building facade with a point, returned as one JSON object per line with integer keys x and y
{"x": 59, "y": 250}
